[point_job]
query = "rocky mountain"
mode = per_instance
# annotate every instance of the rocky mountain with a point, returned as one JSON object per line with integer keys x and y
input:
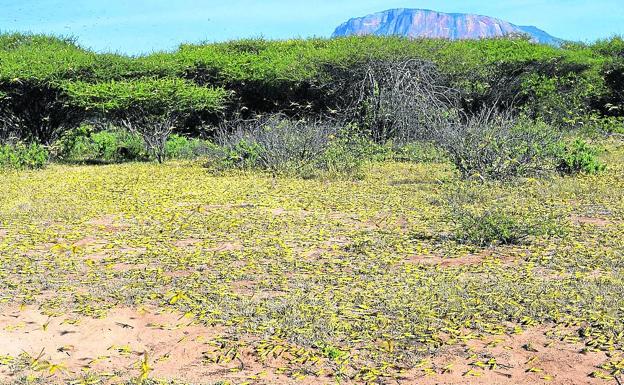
{"x": 426, "y": 23}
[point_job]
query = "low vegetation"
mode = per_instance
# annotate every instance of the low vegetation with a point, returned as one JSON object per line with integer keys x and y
{"x": 367, "y": 281}
{"x": 579, "y": 156}
{"x": 23, "y": 156}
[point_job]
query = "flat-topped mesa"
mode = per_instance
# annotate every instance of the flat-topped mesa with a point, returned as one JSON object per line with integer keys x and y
{"x": 416, "y": 23}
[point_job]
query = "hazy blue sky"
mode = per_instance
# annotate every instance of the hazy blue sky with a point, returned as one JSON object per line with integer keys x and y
{"x": 135, "y": 26}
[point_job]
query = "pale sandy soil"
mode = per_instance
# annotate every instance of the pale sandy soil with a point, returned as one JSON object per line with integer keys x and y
{"x": 177, "y": 348}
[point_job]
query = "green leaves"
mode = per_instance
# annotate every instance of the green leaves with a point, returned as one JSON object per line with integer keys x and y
{"x": 152, "y": 96}
{"x": 579, "y": 157}
{"x": 23, "y": 156}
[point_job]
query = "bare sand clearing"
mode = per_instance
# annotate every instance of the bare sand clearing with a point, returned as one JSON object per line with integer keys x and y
{"x": 584, "y": 220}
{"x": 115, "y": 343}
{"x": 527, "y": 358}
{"x": 176, "y": 346}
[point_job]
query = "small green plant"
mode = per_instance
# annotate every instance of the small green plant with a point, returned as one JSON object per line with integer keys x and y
{"x": 496, "y": 145}
{"x": 23, "y": 156}
{"x": 482, "y": 220}
{"x": 595, "y": 125}
{"x": 579, "y": 157}
{"x": 332, "y": 352}
{"x": 347, "y": 154}
{"x": 181, "y": 147}
{"x": 489, "y": 228}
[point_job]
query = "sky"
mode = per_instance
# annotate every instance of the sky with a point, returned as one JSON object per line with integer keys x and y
{"x": 143, "y": 26}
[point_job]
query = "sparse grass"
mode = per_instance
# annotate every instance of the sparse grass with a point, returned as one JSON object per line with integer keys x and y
{"x": 331, "y": 267}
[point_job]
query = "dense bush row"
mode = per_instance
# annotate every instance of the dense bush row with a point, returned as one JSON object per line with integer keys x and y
{"x": 41, "y": 77}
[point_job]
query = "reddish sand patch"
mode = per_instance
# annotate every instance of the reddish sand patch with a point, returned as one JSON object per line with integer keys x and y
{"x": 102, "y": 345}
{"x": 219, "y": 247}
{"x": 124, "y": 267}
{"x": 176, "y": 348}
{"x": 388, "y": 221}
{"x": 97, "y": 254}
{"x": 527, "y": 358}
{"x": 109, "y": 223}
{"x": 465, "y": 260}
{"x": 327, "y": 248}
{"x": 100, "y": 256}
{"x": 42, "y": 248}
{"x": 226, "y": 246}
{"x": 244, "y": 287}
{"x": 188, "y": 242}
{"x": 583, "y": 220}
{"x": 250, "y": 289}
{"x": 278, "y": 212}
{"x": 403, "y": 223}
{"x": 90, "y": 242}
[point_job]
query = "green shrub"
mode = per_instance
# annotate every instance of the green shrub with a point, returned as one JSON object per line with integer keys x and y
{"x": 481, "y": 219}
{"x": 579, "y": 157}
{"x": 613, "y": 46}
{"x": 63, "y": 148}
{"x": 562, "y": 100}
{"x": 490, "y": 227}
{"x": 51, "y": 84}
{"x": 242, "y": 154}
{"x": 181, "y": 147}
{"x": 117, "y": 145}
{"x": 613, "y": 73}
{"x": 150, "y": 108}
{"x": 109, "y": 146}
{"x": 23, "y": 156}
{"x": 347, "y": 154}
{"x": 497, "y": 225}
{"x": 597, "y": 125}
{"x": 147, "y": 96}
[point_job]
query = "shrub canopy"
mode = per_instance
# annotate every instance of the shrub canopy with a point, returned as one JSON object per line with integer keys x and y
{"x": 150, "y": 96}
{"x": 295, "y": 76}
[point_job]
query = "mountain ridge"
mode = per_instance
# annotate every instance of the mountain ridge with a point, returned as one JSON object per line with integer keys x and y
{"x": 415, "y": 23}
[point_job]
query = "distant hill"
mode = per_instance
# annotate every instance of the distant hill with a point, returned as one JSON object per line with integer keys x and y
{"x": 426, "y": 23}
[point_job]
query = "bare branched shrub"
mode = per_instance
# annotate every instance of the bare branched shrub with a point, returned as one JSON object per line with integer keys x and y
{"x": 400, "y": 100}
{"x": 282, "y": 145}
{"x": 276, "y": 142}
{"x": 154, "y": 129}
{"x": 409, "y": 100}
{"x": 495, "y": 144}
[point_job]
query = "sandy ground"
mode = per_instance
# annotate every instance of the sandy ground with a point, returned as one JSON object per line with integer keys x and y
{"x": 176, "y": 348}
